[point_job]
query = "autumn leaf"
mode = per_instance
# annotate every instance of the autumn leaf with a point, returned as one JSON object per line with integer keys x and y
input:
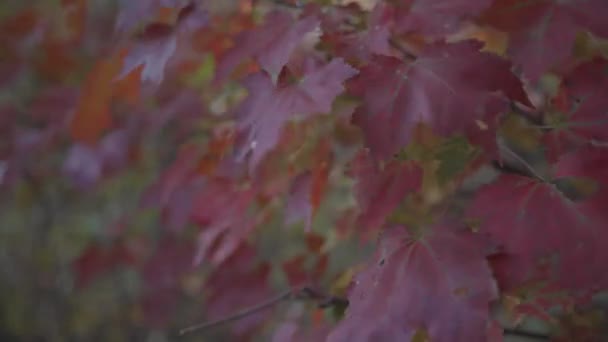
{"x": 448, "y": 87}
{"x": 440, "y": 285}
{"x": 159, "y": 42}
{"x": 542, "y": 33}
{"x": 261, "y": 117}
{"x": 92, "y": 115}
{"x": 359, "y": 44}
{"x": 380, "y": 189}
{"x": 582, "y": 112}
{"x": 271, "y": 44}
{"x": 533, "y": 220}
{"x": 438, "y": 16}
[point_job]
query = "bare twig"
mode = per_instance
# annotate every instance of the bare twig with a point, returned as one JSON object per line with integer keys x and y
{"x": 304, "y": 293}
{"x": 324, "y": 301}
{"x": 241, "y": 314}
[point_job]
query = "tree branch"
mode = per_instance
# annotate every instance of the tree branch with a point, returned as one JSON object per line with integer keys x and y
{"x": 240, "y": 314}
{"x": 304, "y": 293}
{"x": 324, "y": 301}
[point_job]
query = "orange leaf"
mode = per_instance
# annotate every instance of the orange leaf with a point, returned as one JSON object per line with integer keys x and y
{"x": 128, "y": 87}
{"x": 92, "y": 115}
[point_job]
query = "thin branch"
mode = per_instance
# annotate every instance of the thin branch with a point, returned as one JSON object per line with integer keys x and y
{"x": 241, "y": 314}
{"x": 304, "y": 293}
{"x": 324, "y": 301}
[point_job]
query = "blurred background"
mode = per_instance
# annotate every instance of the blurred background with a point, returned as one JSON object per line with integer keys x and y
{"x": 110, "y": 204}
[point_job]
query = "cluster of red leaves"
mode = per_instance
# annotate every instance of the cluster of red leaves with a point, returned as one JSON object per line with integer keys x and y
{"x": 401, "y": 68}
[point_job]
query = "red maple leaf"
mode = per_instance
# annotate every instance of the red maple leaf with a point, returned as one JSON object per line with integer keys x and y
{"x": 437, "y": 16}
{"x": 542, "y": 33}
{"x": 355, "y": 44}
{"x": 271, "y": 44}
{"x": 133, "y": 14}
{"x": 439, "y": 283}
{"x": 585, "y": 108}
{"x": 533, "y": 220}
{"x": 220, "y": 207}
{"x": 261, "y": 117}
{"x": 589, "y": 162}
{"x": 158, "y": 43}
{"x": 379, "y": 190}
{"x": 583, "y": 263}
{"x": 447, "y": 87}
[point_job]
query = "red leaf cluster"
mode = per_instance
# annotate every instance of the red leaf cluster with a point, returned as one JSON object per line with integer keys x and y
{"x": 242, "y": 116}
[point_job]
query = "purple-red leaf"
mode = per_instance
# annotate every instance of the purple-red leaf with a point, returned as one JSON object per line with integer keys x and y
{"x": 299, "y": 207}
{"x": 439, "y": 16}
{"x": 585, "y": 115}
{"x": 159, "y": 42}
{"x": 379, "y": 190}
{"x": 261, "y": 117}
{"x": 439, "y": 284}
{"x": 534, "y": 220}
{"x": 271, "y": 44}
{"x": 447, "y": 87}
{"x": 542, "y": 33}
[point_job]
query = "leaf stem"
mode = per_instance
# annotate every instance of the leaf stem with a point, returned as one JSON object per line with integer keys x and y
{"x": 530, "y": 116}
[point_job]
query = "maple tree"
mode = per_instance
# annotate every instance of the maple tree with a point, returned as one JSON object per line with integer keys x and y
{"x": 388, "y": 170}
